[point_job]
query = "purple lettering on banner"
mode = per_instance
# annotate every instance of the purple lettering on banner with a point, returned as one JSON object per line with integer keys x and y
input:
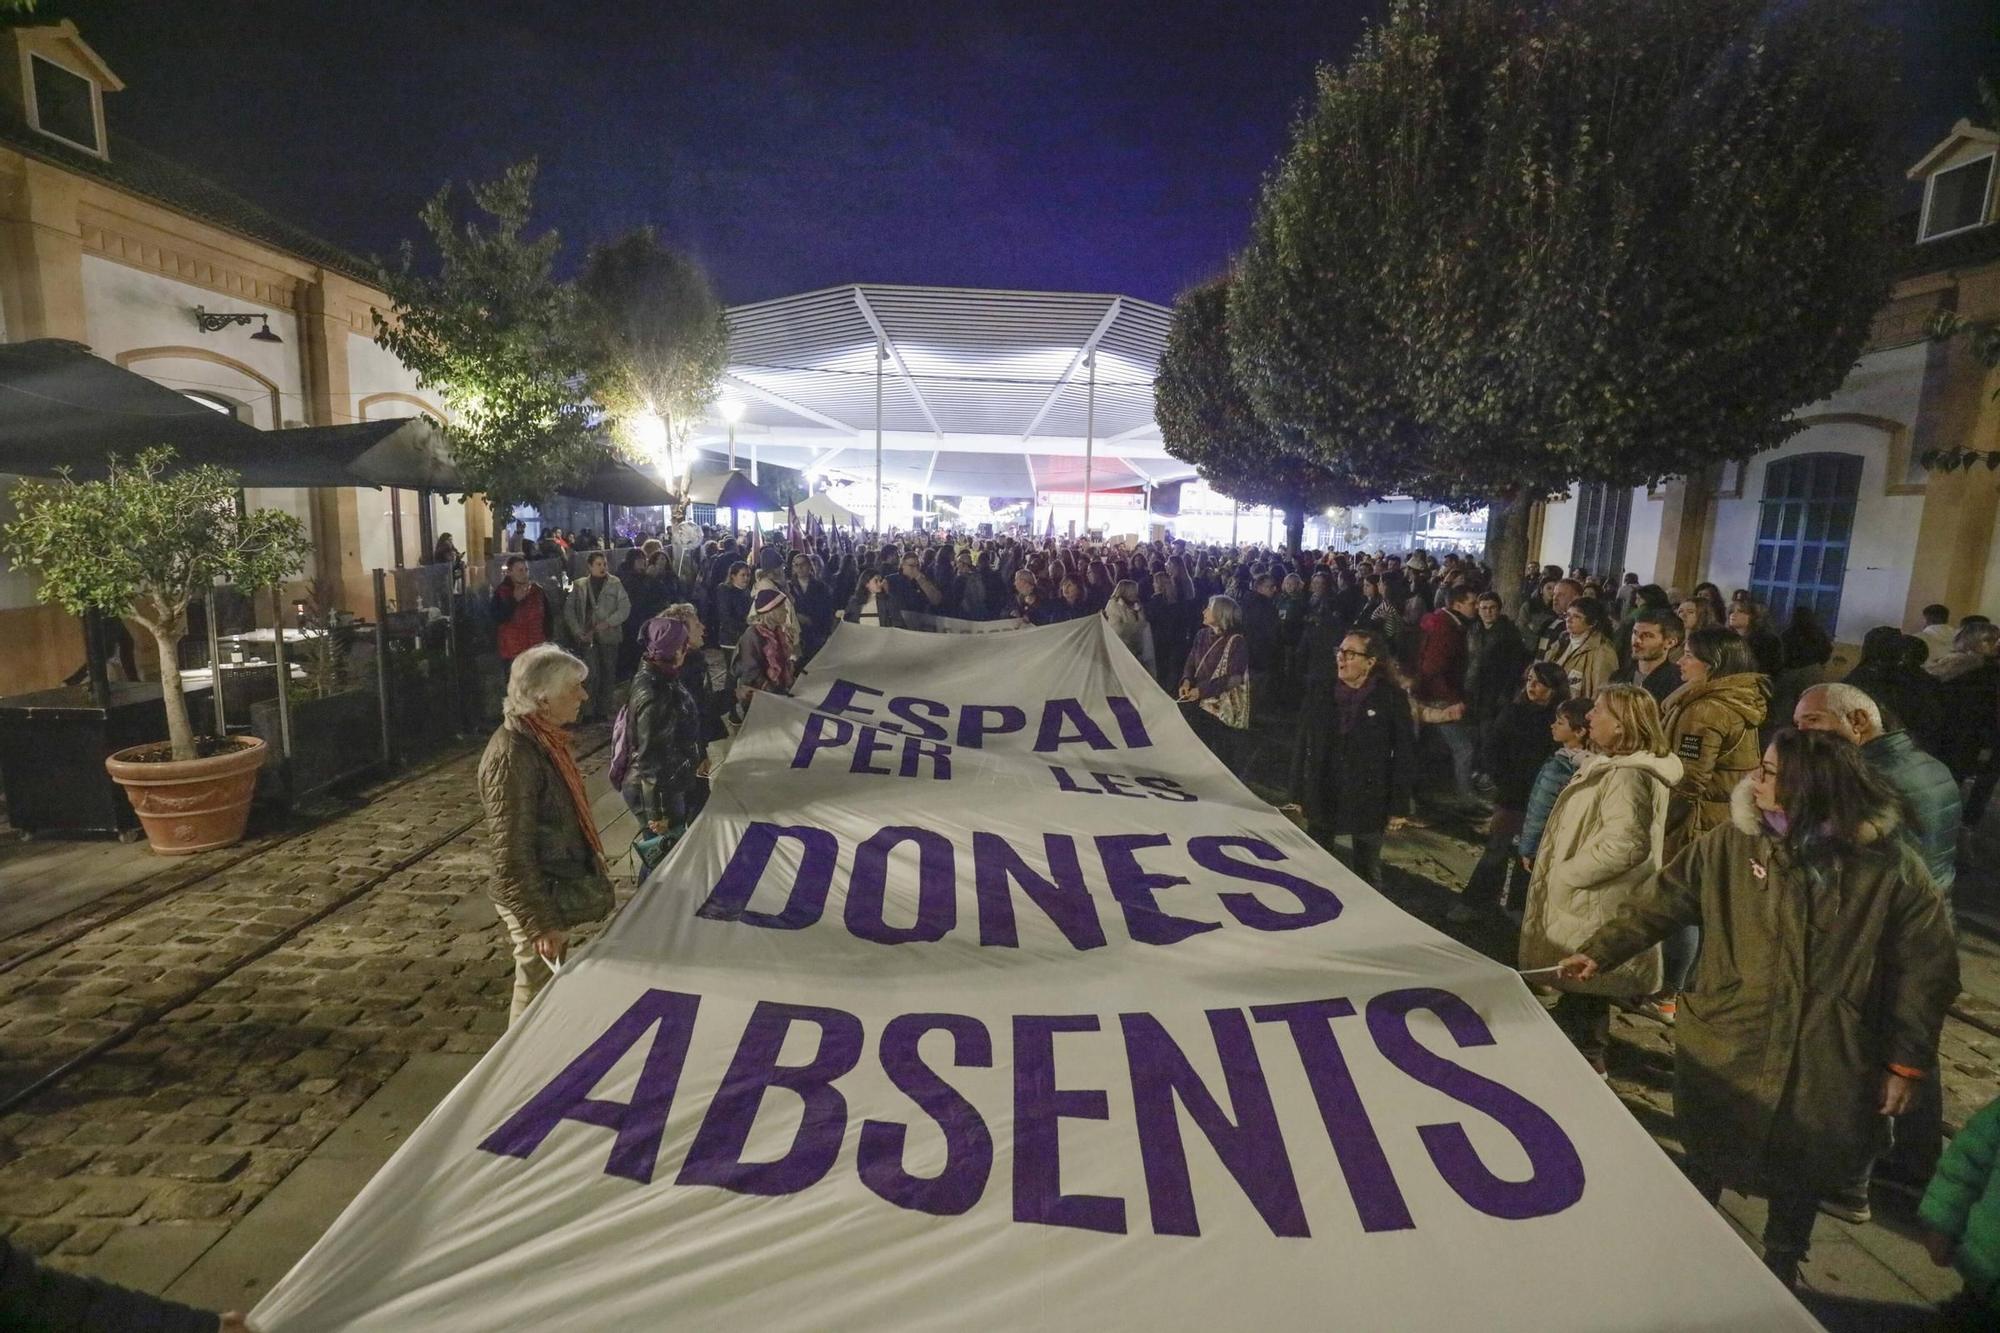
{"x": 716, "y": 1156}
{"x": 1064, "y": 782}
{"x": 968, "y": 1144}
{"x": 1378, "y": 1200}
{"x": 1167, "y": 789}
{"x": 1134, "y": 886}
{"x": 1555, "y": 1179}
{"x": 638, "y": 1123}
{"x": 1039, "y": 1108}
{"x": 905, "y": 706}
{"x": 1065, "y": 900}
{"x": 870, "y": 743}
{"x": 1252, "y": 1147}
{"x": 1056, "y": 712}
{"x": 840, "y": 699}
{"x": 937, "y": 891}
{"x": 821, "y": 733}
{"x": 729, "y": 900}
{"x": 916, "y": 751}
{"x": 1114, "y": 784}
{"x": 1319, "y": 905}
{"x": 1131, "y": 726}
{"x": 972, "y": 727}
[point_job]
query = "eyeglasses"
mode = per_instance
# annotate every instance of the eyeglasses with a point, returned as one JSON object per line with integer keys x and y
{"x": 1349, "y": 652}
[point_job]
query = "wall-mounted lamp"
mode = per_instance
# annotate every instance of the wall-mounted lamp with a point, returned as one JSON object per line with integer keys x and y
{"x": 211, "y": 323}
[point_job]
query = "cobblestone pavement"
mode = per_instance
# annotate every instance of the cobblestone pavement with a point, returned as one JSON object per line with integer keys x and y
{"x": 196, "y": 1117}
{"x": 191, "y": 1122}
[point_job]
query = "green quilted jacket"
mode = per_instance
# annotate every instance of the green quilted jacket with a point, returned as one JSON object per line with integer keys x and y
{"x": 1963, "y": 1202}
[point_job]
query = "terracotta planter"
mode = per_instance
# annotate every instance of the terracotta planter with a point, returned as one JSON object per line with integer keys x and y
{"x": 191, "y": 805}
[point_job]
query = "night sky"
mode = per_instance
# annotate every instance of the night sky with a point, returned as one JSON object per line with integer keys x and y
{"x": 1111, "y": 145}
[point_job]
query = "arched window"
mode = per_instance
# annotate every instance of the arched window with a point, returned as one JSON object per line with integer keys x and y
{"x": 215, "y": 401}
{"x": 1804, "y": 525}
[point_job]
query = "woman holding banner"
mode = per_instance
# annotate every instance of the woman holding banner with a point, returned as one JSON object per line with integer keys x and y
{"x": 548, "y": 873}
{"x": 1355, "y": 763}
{"x": 1815, "y": 1005}
{"x": 1603, "y": 842}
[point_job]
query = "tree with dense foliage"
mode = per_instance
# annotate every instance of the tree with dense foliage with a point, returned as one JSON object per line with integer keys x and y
{"x": 1207, "y": 419}
{"x": 661, "y": 339}
{"x": 145, "y": 542}
{"x": 1518, "y": 244}
{"x": 500, "y": 339}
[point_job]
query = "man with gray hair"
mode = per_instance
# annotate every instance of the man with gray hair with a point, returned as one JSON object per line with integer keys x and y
{"x": 1920, "y": 779}
{"x": 1933, "y": 795}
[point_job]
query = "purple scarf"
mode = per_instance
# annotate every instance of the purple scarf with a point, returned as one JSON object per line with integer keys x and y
{"x": 1350, "y": 704}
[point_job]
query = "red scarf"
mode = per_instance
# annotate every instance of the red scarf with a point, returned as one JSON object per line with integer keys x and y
{"x": 776, "y": 651}
{"x": 555, "y": 744}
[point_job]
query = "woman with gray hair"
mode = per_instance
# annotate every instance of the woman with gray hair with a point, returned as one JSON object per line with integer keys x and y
{"x": 548, "y": 873}
{"x": 1216, "y": 679}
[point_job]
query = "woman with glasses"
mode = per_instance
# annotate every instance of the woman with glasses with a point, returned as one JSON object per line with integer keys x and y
{"x": 1815, "y": 1006}
{"x": 1354, "y": 764}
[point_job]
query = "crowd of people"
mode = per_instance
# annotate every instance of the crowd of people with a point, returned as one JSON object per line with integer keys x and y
{"x": 1685, "y": 814}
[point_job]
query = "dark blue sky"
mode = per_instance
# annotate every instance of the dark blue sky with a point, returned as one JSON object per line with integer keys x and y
{"x": 1102, "y": 145}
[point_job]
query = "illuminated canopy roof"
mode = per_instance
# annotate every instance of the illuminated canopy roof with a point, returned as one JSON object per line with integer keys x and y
{"x": 982, "y": 392}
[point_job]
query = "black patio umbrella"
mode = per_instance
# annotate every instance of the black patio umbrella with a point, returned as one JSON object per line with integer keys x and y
{"x": 61, "y": 407}
{"x": 731, "y": 490}
{"x": 616, "y": 482}
{"x": 409, "y": 452}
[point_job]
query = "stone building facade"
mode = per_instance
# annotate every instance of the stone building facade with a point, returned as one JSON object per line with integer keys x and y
{"x": 106, "y": 243}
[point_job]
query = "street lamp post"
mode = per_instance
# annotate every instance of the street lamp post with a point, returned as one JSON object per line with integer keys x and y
{"x": 732, "y": 412}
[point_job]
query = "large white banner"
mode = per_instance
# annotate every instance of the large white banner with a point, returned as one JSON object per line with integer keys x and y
{"x": 981, "y": 997}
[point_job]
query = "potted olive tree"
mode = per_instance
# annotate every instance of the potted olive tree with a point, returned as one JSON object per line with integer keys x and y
{"x": 144, "y": 544}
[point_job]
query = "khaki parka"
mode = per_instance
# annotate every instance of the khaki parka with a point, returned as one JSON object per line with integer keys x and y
{"x": 532, "y": 832}
{"x": 1810, "y": 983}
{"x": 1590, "y": 662}
{"x": 1711, "y": 728}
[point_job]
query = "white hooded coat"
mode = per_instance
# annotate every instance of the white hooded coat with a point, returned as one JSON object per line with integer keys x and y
{"x": 1603, "y": 841}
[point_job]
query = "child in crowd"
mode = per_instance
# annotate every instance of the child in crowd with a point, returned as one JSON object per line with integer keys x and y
{"x": 1571, "y": 730}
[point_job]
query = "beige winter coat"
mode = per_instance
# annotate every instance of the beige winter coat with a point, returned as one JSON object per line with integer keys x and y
{"x": 1590, "y": 662}
{"x": 1602, "y": 842}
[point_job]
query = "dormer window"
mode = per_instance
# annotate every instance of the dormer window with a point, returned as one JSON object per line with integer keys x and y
{"x": 65, "y": 105}
{"x": 1958, "y": 199}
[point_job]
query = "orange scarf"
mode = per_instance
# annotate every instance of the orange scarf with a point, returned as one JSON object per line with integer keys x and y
{"x": 555, "y": 744}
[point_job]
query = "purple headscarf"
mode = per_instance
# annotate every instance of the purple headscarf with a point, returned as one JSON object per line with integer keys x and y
{"x": 663, "y": 639}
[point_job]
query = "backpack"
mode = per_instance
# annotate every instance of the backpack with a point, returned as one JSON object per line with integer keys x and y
{"x": 621, "y": 748}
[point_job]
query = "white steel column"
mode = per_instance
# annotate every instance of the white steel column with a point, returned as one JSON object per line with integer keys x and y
{"x": 881, "y": 355}
{"x": 1089, "y": 437}
{"x": 1235, "y": 517}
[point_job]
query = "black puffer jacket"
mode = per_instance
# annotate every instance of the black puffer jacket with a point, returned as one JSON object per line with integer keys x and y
{"x": 1516, "y": 747}
{"x": 663, "y": 726}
